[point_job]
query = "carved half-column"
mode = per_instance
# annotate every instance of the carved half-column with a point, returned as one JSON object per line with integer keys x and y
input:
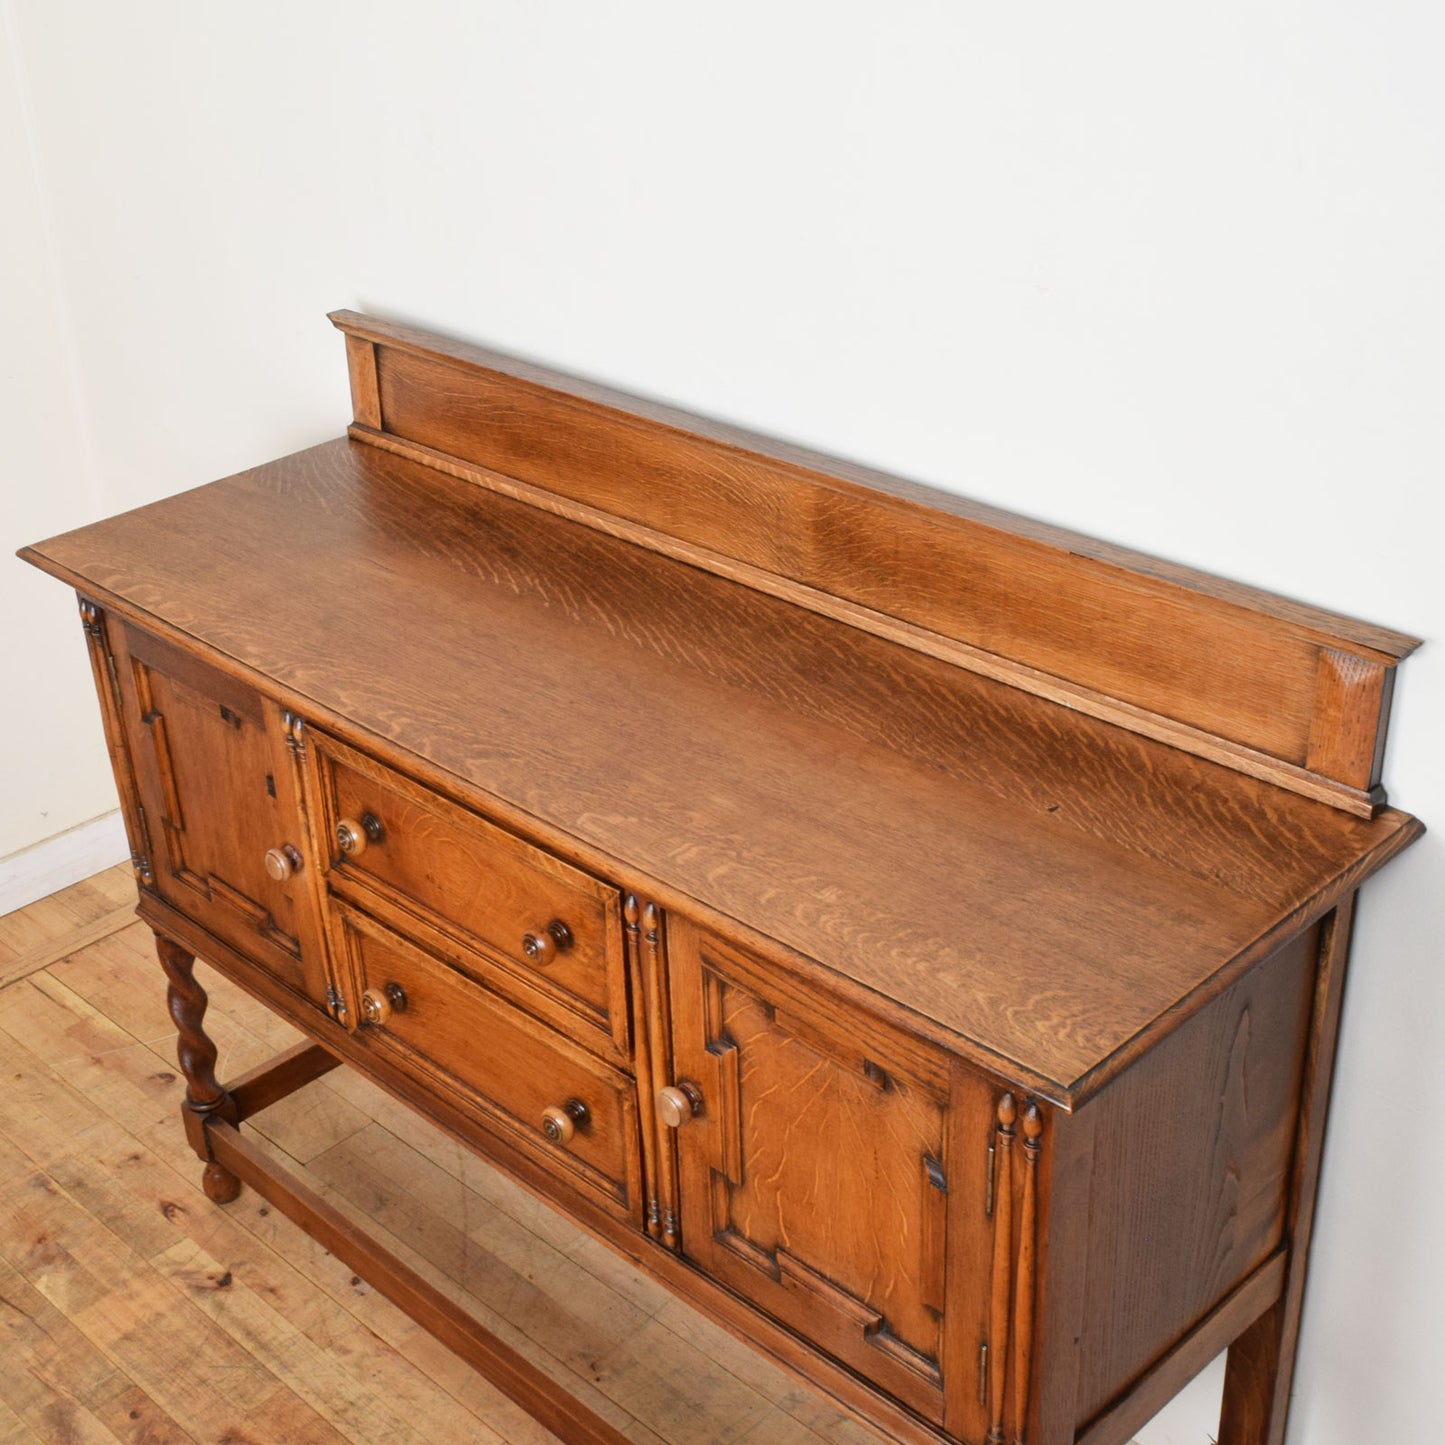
{"x": 659, "y": 1032}
{"x": 654, "y": 1142}
{"x": 999, "y": 1299}
{"x": 1023, "y": 1322}
{"x": 1014, "y": 1199}
{"x": 196, "y": 1054}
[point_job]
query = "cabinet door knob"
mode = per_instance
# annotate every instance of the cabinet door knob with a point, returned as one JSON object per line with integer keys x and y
{"x": 352, "y": 837}
{"x": 543, "y": 946}
{"x": 282, "y": 863}
{"x": 378, "y": 1005}
{"x": 560, "y": 1124}
{"x": 678, "y": 1104}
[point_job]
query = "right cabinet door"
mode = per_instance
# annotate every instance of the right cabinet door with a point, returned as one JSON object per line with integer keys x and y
{"x": 815, "y": 1178}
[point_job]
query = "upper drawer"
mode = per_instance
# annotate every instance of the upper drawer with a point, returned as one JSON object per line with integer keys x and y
{"x": 551, "y": 925}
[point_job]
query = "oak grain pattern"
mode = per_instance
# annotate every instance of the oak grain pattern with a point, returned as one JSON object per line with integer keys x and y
{"x": 217, "y": 786}
{"x": 1065, "y": 1221}
{"x": 401, "y": 337}
{"x": 1260, "y": 1368}
{"x": 361, "y": 368}
{"x": 1352, "y": 709}
{"x": 1184, "y": 1360}
{"x": 970, "y": 1124}
{"x": 642, "y": 460}
{"x": 477, "y": 881}
{"x": 1224, "y": 657}
{"x": 800, "y": 1177}
{"x": 840, "y": 794}
{"x": 1202, "y": 1131}
{"x": 1252, "y": 762}
{"x": 454, "y": 1032}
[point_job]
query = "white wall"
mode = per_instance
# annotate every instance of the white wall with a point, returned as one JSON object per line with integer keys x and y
{"x": 54, "y": 777}
{"x": 1168, "y": 274}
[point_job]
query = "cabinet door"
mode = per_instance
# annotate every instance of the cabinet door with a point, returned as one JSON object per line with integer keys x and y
{"x": 220, "y": 790}
{"x": 814, "y": 1178}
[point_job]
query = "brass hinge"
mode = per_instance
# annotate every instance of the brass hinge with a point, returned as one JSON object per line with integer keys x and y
{"x": 989, "y": 1187}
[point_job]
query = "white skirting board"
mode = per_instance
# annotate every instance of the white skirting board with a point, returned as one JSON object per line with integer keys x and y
{"x": 47, "y": 867}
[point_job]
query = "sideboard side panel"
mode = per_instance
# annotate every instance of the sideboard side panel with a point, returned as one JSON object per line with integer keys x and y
{"x": 1192, "y": 1157}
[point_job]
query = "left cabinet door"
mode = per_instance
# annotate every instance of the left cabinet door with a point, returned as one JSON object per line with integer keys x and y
{"x": 219, "y": 778}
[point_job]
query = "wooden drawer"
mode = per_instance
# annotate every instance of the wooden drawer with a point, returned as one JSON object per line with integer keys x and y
{"x": 551, "y": 925}
{"x": 569, "y": 1110}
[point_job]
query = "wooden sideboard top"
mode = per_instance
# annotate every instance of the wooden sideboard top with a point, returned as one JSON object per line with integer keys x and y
{"x": 1031, "y": 884}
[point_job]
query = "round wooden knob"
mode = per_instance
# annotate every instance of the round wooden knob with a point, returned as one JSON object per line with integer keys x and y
{"x": 542, "y": 947}
{"x": 560, "y": 1124}
{"x": 352, "y": 837}
{"x": 282, "y": 863}
{"x": 677, "y": 1104}
{"x": 378, "y": 1005}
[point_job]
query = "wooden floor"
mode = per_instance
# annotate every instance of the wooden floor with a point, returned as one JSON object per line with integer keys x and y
{"x": 132, "y": 1309}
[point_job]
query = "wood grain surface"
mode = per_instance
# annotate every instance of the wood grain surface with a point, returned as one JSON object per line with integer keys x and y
{"x": 1202, "y": 1131}
{"x": 1215, "y": 657}
{"x": 1038, "y": 885}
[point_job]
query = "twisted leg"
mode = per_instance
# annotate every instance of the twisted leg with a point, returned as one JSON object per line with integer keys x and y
{"x": 197, "y": 1057}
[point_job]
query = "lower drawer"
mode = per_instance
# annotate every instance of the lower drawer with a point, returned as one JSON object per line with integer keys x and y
{"x": 568, "y": 1109}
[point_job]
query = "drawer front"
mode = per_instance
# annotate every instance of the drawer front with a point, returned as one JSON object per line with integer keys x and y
{"x": 553, "y": 926}
{"x": 570, "y": 1111}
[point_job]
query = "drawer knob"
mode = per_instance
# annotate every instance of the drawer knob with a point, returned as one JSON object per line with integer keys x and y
{"x": 559, "y": 1125}
{"x": 678, "y": 1104}
{"x": 542, "y": 947}
{"x": 352, "y": 837}
{"x": 282, "y": 863}
{"x": 378, "y": 1006}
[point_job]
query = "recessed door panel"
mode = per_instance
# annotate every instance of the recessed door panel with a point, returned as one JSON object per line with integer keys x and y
{"x": 219, "y": 789}
{"x": 814, "y": 1177}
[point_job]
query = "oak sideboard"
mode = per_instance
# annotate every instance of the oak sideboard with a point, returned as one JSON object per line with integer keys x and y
{"x": 912, "y": 933}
